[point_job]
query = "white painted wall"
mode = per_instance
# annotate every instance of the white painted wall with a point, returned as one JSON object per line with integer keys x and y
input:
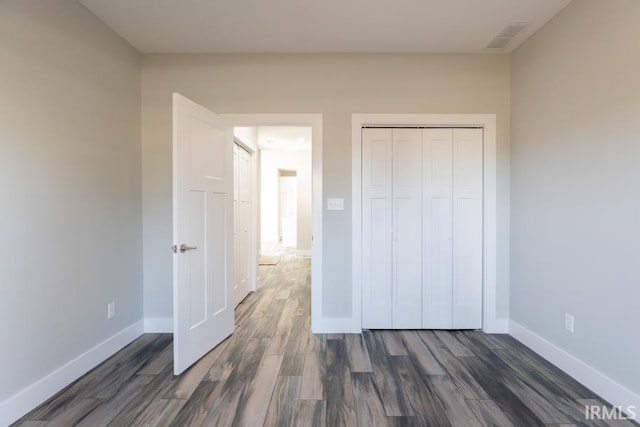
{"x": 70, "y": 197}
{"x": 576, "y": 185}
{"x": 270, "y": 162}
{"x": 335, "y": 86}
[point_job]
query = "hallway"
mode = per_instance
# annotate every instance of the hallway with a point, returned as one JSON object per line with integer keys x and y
{"x": 273, "y": 371}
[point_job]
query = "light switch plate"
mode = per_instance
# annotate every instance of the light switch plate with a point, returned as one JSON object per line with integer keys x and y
{"x": 335, "y": 204}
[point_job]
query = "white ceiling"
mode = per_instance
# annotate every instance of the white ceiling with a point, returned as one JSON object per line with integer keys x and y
{"x": 320, "y": 26}
{"x": 284, "y": 138}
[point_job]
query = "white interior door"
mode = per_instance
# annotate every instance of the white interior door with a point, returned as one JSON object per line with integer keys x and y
{"x": 202, "y": 231}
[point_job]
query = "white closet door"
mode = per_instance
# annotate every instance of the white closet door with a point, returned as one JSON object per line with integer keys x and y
{"x": 437, "y": 298}
{"x": 242, "y": 202}
{"x": 377, "y": 205}
{"x": 467, "y": 229}
{"x": 407, "y": 229}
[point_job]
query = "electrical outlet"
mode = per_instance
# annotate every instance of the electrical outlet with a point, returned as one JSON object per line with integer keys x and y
{"x": 111, "y": 309}
{"x": 568, "y": 322}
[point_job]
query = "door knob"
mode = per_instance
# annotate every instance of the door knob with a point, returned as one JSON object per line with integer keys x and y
{"x": 184, "y": 248}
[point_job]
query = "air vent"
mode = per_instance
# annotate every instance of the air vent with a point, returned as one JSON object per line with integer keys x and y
{"x": 507, "y": 34}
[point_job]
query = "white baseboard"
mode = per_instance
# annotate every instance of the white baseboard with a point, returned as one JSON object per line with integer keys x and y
{"x": 610, "y": 390}
{"x": 345, "y": 325}
{"x": 24, "y": 401}
{"x": 306, "y": 253}
{"x": 158, "y": 325}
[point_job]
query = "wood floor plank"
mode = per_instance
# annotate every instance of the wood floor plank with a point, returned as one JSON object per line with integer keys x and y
{"x": 28, "y": 423}
{"x": 108, "y": 410}
{"x": 311, "y": 413}
{"x": 183, "y": 386}
{"x": 404, "y": 422}
{"x": 419, "y": 351}
{"x": 340, "y": 409}
{"x": 458, "y": 373}
{"x": 139, "y": 402}
{"x": 489, "y": 414}
{"x": 160, "y": 412}
{"x": 259, "y": 392}
{"x": 156, "y": 364}
{"x": 196, "y": 408}
{"x": 281, "y": 336}
{"x": 283, "y": 406}
{"x": 427, "y": 408}
{"x": 394, "y": 343}
{"x": 314, "y": 371}
{"x": 393, "y": 396}
{"x": 292, "y": 366}
{"x": 359, "y": 360}
{"x": 455, "y": 347}
{"x": 110, "y": 385}
{"x": 456, "y": 407}
{"x": 72, "y": 415}
{"x": 491, "y": 381}
{"x": 367, "y": 400}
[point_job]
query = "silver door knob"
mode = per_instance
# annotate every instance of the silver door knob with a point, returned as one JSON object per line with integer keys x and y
{"x": 184, "y": 248}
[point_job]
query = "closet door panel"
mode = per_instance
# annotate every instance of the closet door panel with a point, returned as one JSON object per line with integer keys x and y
{"x": 437, "y": 229}
{"x": 467, "y": 228}
{"x": 376, "y": 228}
{"x": 407, "y": 228}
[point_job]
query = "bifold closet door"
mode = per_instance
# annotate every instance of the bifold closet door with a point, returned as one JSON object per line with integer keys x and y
{"x": 377, "y": 207}
{"x": 452, "y": 229}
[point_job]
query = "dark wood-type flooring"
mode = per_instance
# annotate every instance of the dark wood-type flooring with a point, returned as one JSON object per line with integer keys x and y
{"x": 272, "y": 371}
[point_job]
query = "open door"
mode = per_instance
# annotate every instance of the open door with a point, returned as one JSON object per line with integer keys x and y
{"x": 203, "y": 307}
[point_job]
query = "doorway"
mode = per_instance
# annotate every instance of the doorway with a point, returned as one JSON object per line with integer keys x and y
{"x": 314, "y": 196}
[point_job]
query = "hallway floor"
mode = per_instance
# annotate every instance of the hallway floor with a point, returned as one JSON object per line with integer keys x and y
{"x": 273, "y": 371}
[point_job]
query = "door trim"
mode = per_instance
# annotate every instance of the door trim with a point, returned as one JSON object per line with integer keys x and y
{"x": 318, "y": 321}
{"x": 490, "y": 321}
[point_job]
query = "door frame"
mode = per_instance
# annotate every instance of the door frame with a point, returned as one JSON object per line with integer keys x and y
{"x": 490, "y": 321}
{"x": 318, "y": 322}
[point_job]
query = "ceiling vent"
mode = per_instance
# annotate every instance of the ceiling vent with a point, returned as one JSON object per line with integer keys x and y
{"x": 507, "y": 34}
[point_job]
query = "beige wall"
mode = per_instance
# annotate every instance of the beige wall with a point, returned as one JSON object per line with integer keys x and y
{"x": 70, "y": 197}
{"x": 336, "y": 86}
{"x": 576, "y": 185}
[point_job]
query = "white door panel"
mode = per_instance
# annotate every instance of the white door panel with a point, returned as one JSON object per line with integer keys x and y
{"x": 376, "y": 228}
{"x": 407, "y": 228}
{"x": 202, "y": 215}
{"x": 467, "y": 228}
{"x": 438, "y": 232}
{"x": 242, "y": 192}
